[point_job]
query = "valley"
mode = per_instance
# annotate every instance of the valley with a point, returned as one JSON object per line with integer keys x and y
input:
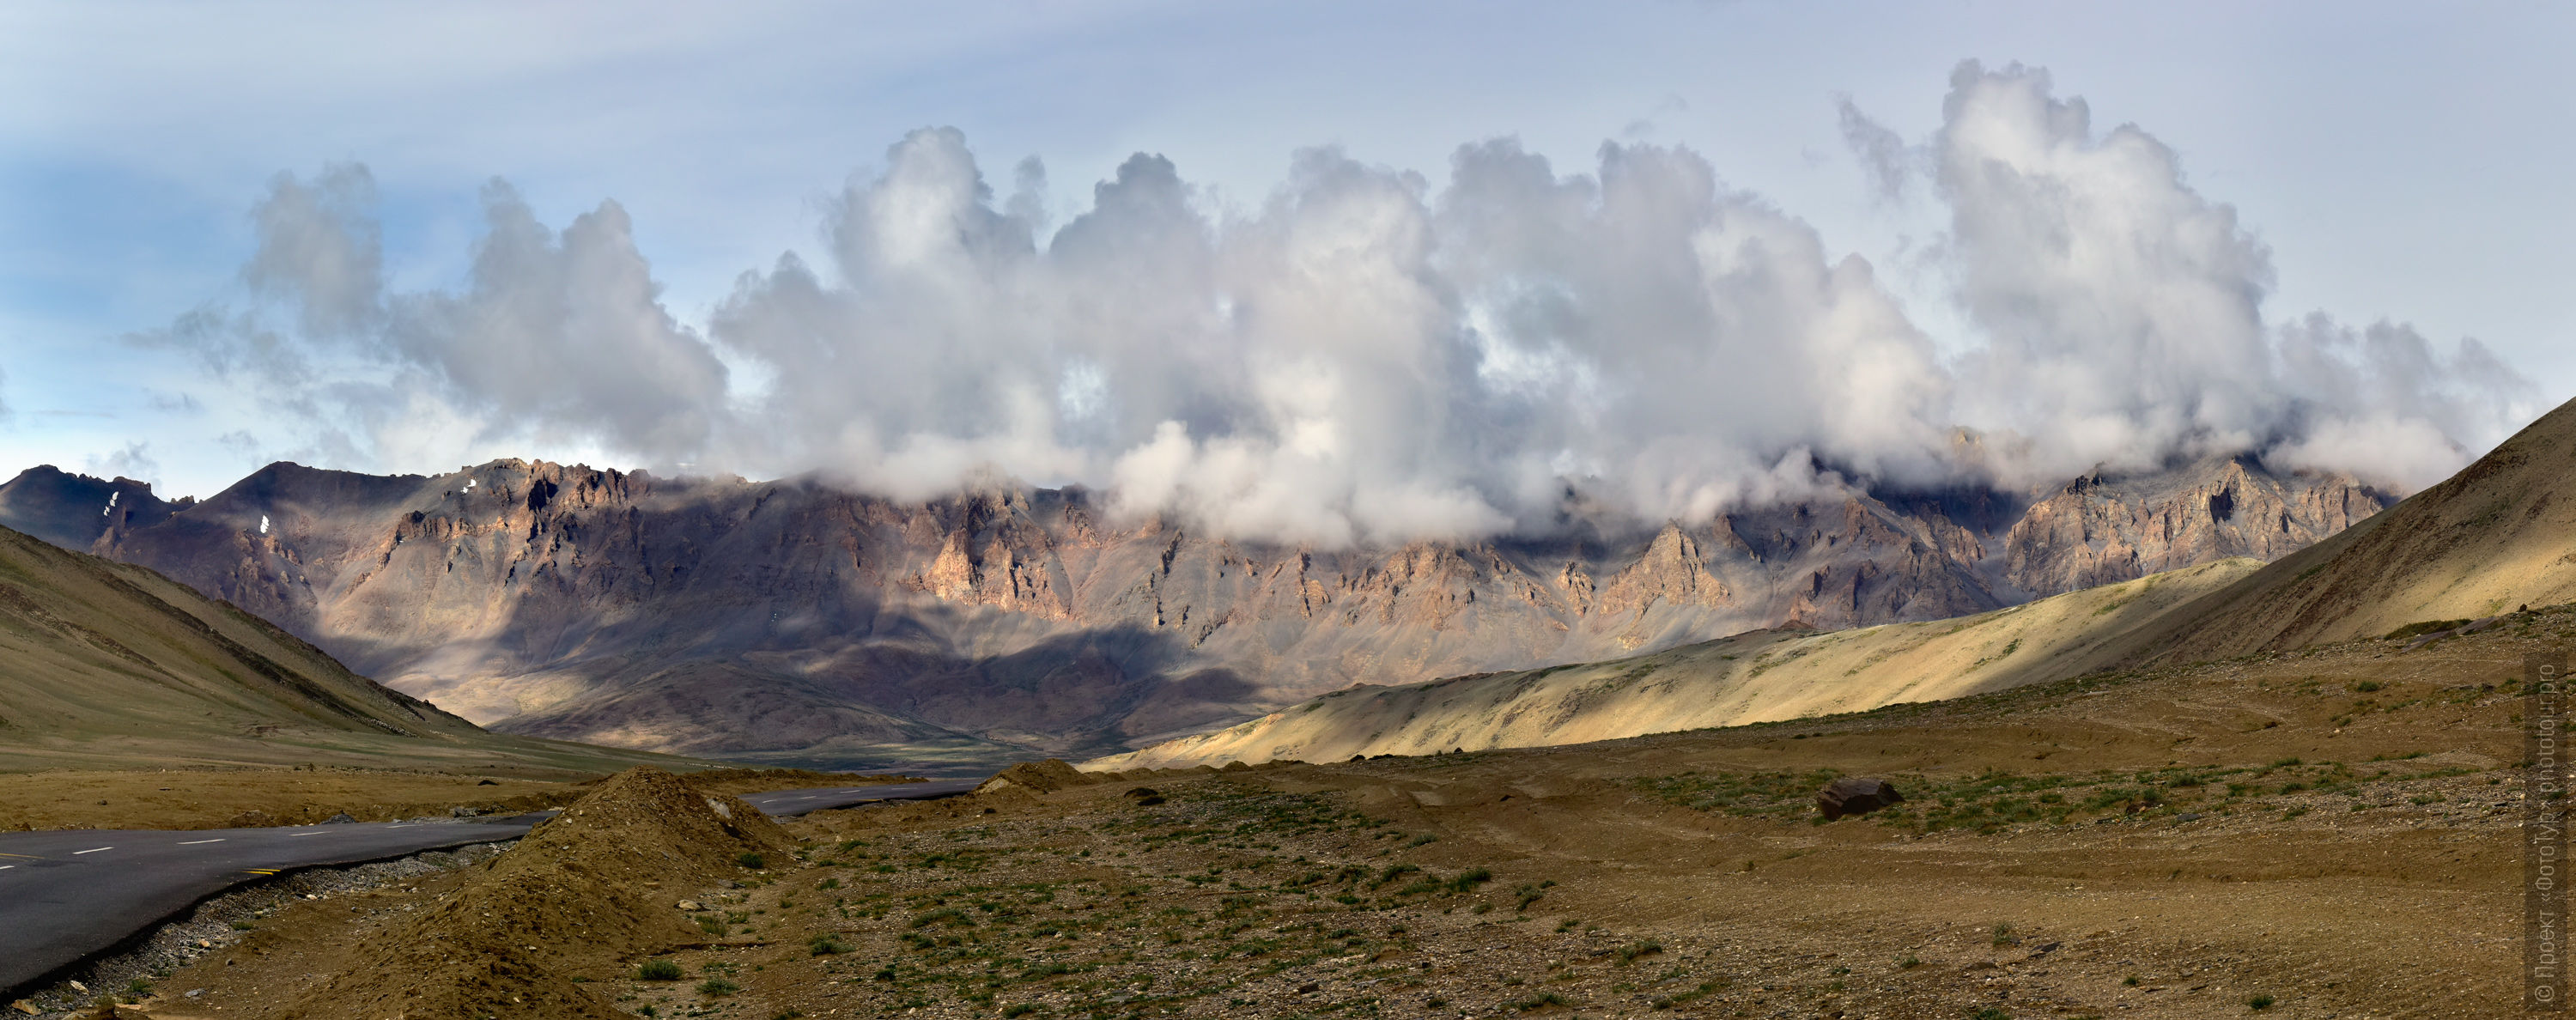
{"x": 2174, "y": 842}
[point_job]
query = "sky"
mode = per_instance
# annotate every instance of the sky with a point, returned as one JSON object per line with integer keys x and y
{"x": 1324, "y": 272}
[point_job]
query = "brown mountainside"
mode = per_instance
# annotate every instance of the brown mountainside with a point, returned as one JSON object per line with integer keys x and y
{"x": 797, "y": 621}
{"x": 109, "y": 664}
{"x": 2493, "y": 539}
{"x": 2499, "y": 535}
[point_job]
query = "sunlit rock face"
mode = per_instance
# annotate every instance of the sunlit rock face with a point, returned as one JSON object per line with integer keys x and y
{"x": 796, "y": 619}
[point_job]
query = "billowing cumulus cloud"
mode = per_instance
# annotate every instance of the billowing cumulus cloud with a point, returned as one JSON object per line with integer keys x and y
{"x": 1372, "y": 356}
{"x": 2122, "y": 313}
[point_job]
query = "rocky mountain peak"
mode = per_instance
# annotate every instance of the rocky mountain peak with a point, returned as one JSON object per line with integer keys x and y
{"x": 720, "y": 615}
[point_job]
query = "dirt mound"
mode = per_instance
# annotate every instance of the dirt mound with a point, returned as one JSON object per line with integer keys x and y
{"x": 1038, "y": 777}
{"x": 574, "y": 893}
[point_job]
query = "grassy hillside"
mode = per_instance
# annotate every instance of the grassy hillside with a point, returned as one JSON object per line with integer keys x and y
{"x": 1758, "y": 677}
{"x": 106, "y": 665}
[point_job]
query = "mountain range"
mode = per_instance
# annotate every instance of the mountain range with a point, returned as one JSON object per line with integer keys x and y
{"x": 796, "y": 621}
{"x": 2490, "y": 541}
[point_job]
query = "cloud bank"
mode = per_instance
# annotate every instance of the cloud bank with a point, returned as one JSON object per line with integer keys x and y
{"x": 1369, "y": 357}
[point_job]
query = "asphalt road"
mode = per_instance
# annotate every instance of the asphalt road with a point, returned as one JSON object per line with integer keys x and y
{"x": 66, "y": 895}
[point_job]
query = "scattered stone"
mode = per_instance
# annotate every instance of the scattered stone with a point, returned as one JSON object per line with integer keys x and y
{"x": 194, "y": 992}
{"x": 340, "y": 819}
{"x": 1855, "y": 796}
{"x": 2188, "y": 816}
{"x": 690, "y": 905}
{"x": 463, "y": 812}
{"x": 24, "y": 1006}
{"x": 485, "y": 782}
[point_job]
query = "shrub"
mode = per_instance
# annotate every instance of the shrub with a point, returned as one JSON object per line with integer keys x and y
{"x": 2259, "y": 1003}
{"x": 717, "y": 986}
{"x": 752, "y": 860}
{"x": 2421, "y": 627}
{"x": 827, "y": 945}
{"x": 657, "y": 970}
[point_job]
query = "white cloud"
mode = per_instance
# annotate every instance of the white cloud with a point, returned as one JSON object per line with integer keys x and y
{"x": 133, "y": 460}
{"x": 2122, "y": 317}
{"x": 1369, "y": 355}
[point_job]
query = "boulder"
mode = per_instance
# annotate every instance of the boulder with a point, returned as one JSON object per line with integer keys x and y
{"x": 1855, "y": 796}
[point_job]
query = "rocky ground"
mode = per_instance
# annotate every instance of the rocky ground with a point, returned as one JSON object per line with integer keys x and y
{"x": 2325, "y": 834}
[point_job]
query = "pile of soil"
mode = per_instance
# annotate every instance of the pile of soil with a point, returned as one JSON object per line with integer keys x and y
{"x": 1038, "y": 777}
{"x": 594, "y": 886}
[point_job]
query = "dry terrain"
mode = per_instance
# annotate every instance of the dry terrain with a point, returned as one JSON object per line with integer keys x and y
{"x": 219, "y": 798}
{"x": 106, "y": 665}
{"x": 792, "y": 621}
{"x": 1761, "y": 676}
{"x": 2492, "y": 539}
{"x": 2324, "y": 833}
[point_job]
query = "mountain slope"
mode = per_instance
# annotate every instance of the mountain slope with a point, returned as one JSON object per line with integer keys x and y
{"x": 793, "y": 620}
{"x": 107, "y": 663}
{"x": 2493, "y": 538}
{"x": 72, "y": 510}
{"x": 2498, "y": 535}
{"x": 1757, "y": 677}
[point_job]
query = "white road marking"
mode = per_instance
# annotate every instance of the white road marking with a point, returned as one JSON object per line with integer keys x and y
{"x": 315, "y": 832}
{"x": 5, "y": 867}
{"x": 194, "y": 842}
{"x": 92, "y": 850}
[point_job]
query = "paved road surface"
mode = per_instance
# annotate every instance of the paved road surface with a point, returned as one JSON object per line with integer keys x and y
{"x": 66, "y": 895}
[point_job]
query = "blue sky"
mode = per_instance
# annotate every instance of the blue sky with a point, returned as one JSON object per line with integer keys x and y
{"x": 2399, "y": 162}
